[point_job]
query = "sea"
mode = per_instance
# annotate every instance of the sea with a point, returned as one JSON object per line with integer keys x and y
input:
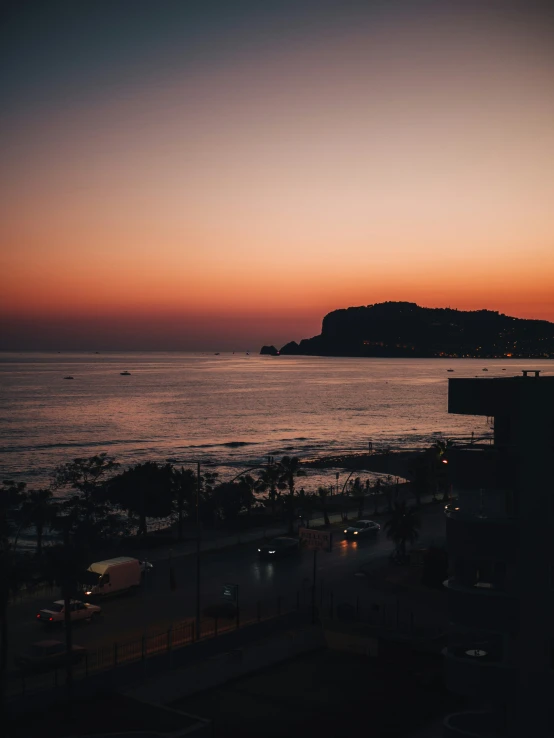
{"x": 230, "y": 411}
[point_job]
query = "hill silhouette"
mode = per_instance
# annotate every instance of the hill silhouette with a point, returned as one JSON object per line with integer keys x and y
{"x": 406, "y": 329}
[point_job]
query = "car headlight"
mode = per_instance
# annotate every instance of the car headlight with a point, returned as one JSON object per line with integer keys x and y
{"x": 259, "y": 550}
{"x": 346, "y": 531}
{"x": 271, "y": 552}
{"x": 355, "y": 532}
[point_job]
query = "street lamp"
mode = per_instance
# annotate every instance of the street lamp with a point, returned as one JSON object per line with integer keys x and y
{"x": 197, "y": 628}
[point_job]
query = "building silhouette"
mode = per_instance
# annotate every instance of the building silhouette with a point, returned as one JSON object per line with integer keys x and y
{"x": 501, "y": 551}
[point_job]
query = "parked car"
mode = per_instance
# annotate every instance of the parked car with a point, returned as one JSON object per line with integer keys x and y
{"x": 361, "y": 528}
{"x": 278, "y": 547}
{"x": 145, "y": 566}
{"x": 55, "y": 613}
{"x": 48, "y": 655}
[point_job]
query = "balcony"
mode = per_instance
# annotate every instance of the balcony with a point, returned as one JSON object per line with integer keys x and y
{"x": 483, "y": 505}
{"x": 481, "y": 724}
{"x": 475, "y": 536}
{"x": 481, "y": 607}
{"x": 481, "y": 467}
{"x": 475, "y": 667}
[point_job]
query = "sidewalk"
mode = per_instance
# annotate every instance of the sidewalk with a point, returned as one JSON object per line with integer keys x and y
{"x": 177, "y": 684}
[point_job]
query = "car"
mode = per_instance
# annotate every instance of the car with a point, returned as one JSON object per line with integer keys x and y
{"x": 361, "y": 528}
{"x": 48, "y": 655}
{"x": 452, "y": 506}
{"x": 145, "y": 566}
{"x": 55, "y": 613}
{"x": 278, "y": 547}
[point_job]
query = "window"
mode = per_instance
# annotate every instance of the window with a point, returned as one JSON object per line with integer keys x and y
{"x": 106, "y": 579}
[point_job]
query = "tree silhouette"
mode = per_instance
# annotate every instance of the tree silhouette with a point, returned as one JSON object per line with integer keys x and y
{"x": 38, "y": 511}
{"x": 185, "y": 486}
{"x": 323, "y": 493}
{"x": 87, "y": 477}
{"x": 289, "y": 470}
{"x": 358, "y": 493}
{"x": 269, "y": 480}
{"x": 403, "y": 527}
{"x": 146, "y": 490}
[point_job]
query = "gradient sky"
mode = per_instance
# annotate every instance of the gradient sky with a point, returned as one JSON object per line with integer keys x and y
{"x": 218, "y": 175}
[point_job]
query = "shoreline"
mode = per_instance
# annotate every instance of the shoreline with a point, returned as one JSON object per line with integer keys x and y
{"x": 397, "y": 463}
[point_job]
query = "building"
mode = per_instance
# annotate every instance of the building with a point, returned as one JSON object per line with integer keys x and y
{"x": 501, "y": 551}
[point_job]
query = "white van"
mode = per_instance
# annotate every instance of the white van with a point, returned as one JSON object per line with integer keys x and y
{"x": 112, "y": 576}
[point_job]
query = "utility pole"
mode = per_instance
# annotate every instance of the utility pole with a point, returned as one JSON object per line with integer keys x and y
{"x": 67, "y": 612}
{"x": 197, "y": 627}
{"x": 313, "y": 588}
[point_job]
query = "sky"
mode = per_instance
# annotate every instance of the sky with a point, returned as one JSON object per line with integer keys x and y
{"x": 220, "y": 175}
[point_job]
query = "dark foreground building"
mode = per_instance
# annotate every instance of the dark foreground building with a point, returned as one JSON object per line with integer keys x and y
{"x": 501, "y": 551}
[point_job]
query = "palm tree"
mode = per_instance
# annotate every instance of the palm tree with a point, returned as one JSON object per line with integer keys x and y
{"x": 388, "y": 492}
{"x": 289, "y": 470}
{"x": 403, "y": 527}
{"x": 440, "y": 447}
{"x": 269, "y": 481}
{"x": 248, "y": 489}
{"x": 307, "y": 502}
{"x": 376, "y": 494}
{"x": 323, "y": 493}
{"x": 65, "y": 563}
{"x": 185, "y": 486}
{"x": 37, "y": 511}
{"x": 358, "y": 493}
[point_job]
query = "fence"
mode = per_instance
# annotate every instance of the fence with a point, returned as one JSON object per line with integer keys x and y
{"x": 391, "y": 615}
{"x": 120, "y": 654}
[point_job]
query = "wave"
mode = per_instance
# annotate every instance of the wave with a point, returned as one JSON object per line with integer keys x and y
{"x": 227, "y": 444}
{"x": 71, "y": 444}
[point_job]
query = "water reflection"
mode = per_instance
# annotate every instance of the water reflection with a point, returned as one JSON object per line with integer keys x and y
{"x": 264, "y": 571}
{"x": 344, "y": 546}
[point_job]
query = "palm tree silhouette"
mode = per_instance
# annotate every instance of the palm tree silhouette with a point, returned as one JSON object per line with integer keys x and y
{"x": 323, "y": 493}
{"x": 289, "y": 470}
{"x": 403, "y": 527}
{"x": 38, "y": 510}
{"x": 269, "y": 481}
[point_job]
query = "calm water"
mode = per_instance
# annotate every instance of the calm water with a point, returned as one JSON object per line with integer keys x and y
{"x": 229, "y": 410}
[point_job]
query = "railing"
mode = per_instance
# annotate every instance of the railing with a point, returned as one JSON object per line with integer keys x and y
{"x": 32, "y": 591}
{"x": 113, "y": 656}
{"x": 392, "y": 616}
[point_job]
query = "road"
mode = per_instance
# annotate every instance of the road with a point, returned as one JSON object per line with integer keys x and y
{"x": 156, "y": 608}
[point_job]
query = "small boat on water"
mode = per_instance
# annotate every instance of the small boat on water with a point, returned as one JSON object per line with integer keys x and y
{"x": 125, "y": 374}
{"x": 217, "y": 353}
{"x": 69, "y": 377}
{"x": 484, "y": 370}
{"x": 450, "y": 370}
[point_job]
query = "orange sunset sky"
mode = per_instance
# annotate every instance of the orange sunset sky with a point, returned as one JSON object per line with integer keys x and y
{"x": 223, "y": 178}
